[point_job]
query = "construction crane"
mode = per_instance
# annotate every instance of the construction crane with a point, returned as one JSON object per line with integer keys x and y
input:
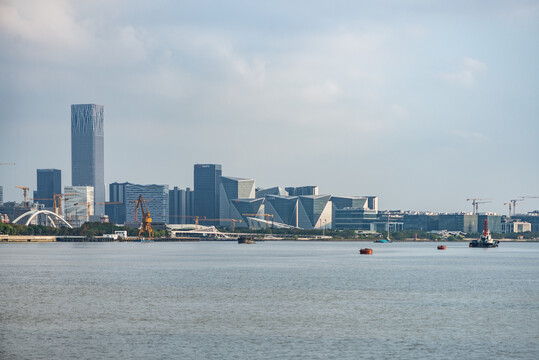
{"x": 88, "y": 205}
{"x": 514, "y": 203}
{"x": 146, "y": 226}
{"x": 197, "y": 218}
{"x": 25, "y": 191}
{"x": 476, "y": 202}
{"x": 267, "y": 216}
{"x": 57, "y": 202}
{"x": 7, "y": 163}
{"x": 234, "y": 221}
{"x": 508, "y": 203}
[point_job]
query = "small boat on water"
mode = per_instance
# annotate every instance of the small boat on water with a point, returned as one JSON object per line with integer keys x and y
{"x": 442, "y": 247}
{"x": 244, "y": 239}
{"x": 365, "y": 251}
{"x": 486, "y": 240}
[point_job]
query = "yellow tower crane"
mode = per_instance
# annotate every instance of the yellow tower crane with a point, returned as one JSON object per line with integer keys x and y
{"x": 25, "y": 191}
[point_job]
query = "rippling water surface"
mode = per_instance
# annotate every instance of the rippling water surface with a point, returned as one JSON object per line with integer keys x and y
{"x": 271, "y": 300}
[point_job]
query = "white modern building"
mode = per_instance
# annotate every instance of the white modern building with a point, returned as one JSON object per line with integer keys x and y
{"x": 78, "y": 204}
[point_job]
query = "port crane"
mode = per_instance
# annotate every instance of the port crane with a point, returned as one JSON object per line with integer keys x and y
{"x": 267, "y": 216}
{"x": 476, "y": 202}
{"x": 146, "y": 226}
{"x": 25, "y": 192}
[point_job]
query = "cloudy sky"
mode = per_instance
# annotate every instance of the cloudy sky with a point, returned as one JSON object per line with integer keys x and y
{"x": 423, "y": 103}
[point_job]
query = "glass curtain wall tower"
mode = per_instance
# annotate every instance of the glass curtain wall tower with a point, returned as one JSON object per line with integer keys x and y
{"x": 87, "y": 150}
{"x": 207, "y": 180}
{"x": 49, "y": 183}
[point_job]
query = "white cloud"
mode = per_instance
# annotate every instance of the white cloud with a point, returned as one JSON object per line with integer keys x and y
{"x": 326, "y": 92}
{"x": 471, "y": 136}
{"x": 467, "y": 74}
{"x": 49, "y": 23}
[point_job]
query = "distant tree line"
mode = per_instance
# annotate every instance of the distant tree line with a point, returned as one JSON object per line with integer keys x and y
{"x": 91, "y": 229}
{"x": 87, "y": 229}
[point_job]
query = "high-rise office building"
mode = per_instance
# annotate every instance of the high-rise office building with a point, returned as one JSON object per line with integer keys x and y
{"x": 157, "y": 202}
{"x": 49, "y": 183}
{"x": 116, "y": 208}
{"x": 207, "y": 180}
{"x": 87, "y": 150}
{"x": 1, "y": 194}
{"x": 180, "y": 205}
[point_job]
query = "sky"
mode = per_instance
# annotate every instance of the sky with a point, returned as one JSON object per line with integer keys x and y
{"x": 422, "y": 103}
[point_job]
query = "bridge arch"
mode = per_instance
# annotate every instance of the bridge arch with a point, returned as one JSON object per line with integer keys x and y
{"x": 33, "y": 213}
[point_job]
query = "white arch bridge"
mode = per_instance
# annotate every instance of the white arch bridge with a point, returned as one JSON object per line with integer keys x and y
{"x": 31, "y": 215}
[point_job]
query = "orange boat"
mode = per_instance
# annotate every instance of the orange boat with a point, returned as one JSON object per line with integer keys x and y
{"x": 365, "y": 251}
{"x": 442, "y": 247}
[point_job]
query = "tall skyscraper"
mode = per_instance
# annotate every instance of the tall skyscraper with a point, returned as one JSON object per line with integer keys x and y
{"x": 207, "y": 179}
{"x": 87, "y": 150}
{"x": 1, "y": 194}
{"x": 49, "y": 183}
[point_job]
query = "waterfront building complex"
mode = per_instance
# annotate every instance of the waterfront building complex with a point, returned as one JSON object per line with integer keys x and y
{"x": 302, "y": 190}
{"x": 49, "y": 183}
{"x": 277, "y": 190}
{"x": 355, "y": 212}
{"x": 87, "y": 150}
{"x": 79, "y": 206}
{"x": 232, "y": 195}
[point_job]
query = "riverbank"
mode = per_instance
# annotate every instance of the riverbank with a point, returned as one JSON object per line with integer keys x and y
{"x": 42, "y": 239}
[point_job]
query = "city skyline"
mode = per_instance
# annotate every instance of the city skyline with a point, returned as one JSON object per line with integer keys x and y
{"x": 421, "y": 104}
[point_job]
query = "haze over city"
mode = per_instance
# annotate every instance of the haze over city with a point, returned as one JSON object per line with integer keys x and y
{"x": 423, "y": 104}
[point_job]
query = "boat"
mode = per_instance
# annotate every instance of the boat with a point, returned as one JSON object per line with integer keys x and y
{"x": 442, "y": 247}
{"x": 485, "y": 240}
{"x": 365, "y": 251}
{"x": 244, "y": 239}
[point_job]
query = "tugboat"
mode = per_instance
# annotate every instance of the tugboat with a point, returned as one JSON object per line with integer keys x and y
{"x": 244, "y": 239}
{"x": 485, "y": 241}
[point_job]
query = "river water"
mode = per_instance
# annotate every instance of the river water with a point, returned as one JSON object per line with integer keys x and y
{"x": 270, "y": 300}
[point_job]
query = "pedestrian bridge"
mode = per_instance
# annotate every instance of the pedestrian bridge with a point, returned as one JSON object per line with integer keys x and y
{"x": 27, "y": 217}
